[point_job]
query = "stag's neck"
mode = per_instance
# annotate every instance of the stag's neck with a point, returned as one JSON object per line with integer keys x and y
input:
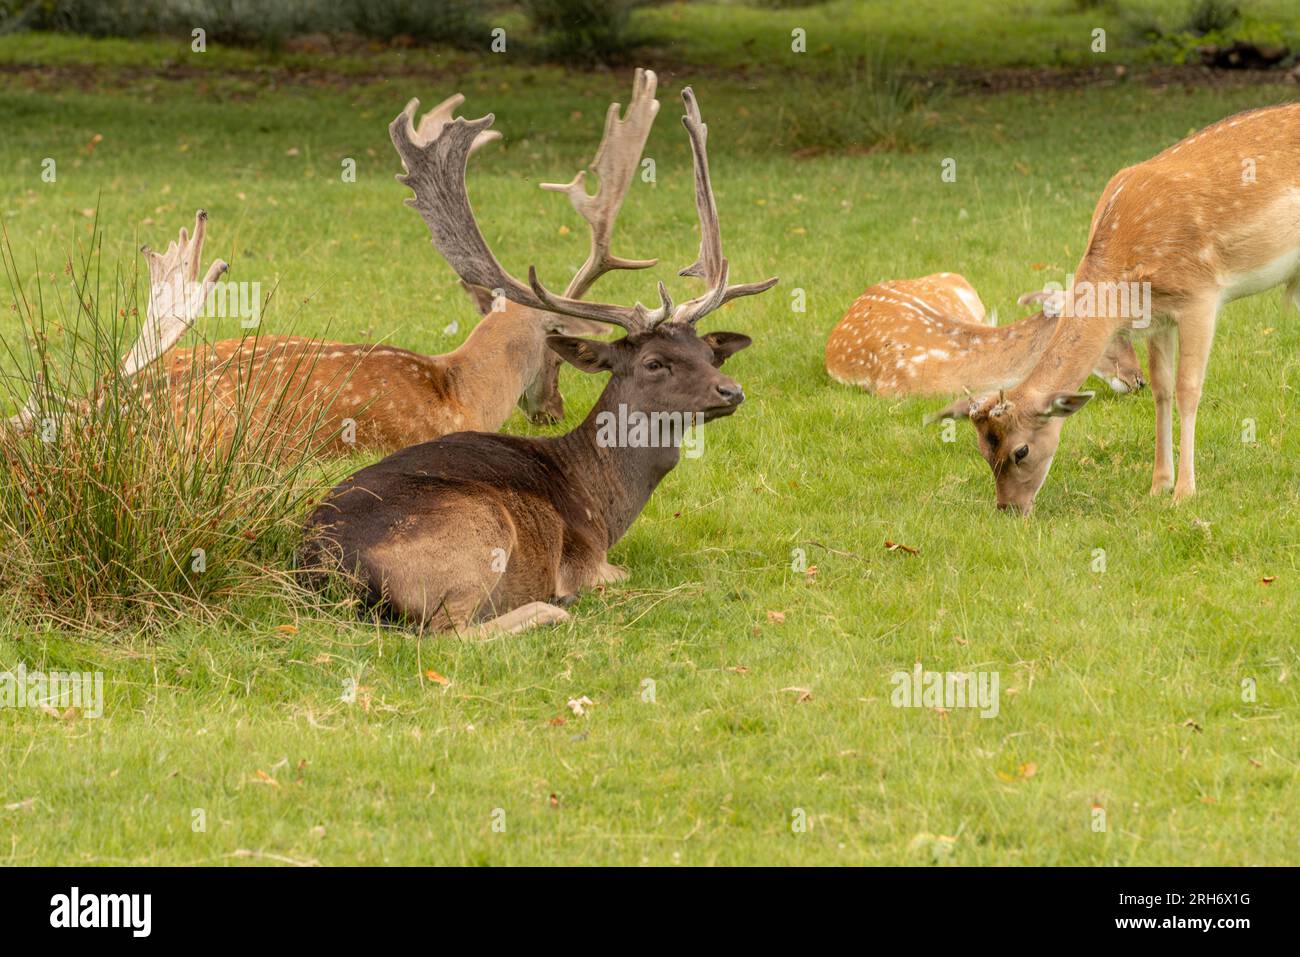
{"x": 1078, "y": 341}
{"x": 491, "y": 369}
{"x": 619, "y": 479}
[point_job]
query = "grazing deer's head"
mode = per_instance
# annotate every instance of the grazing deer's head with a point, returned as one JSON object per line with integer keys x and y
{"x": 1018, "y": 436}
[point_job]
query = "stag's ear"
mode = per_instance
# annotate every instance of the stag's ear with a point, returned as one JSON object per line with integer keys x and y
{"x": 482, "y": 298}
{"x": 725, "y": 345}
{"x": 589, "y": 355}
{"x": 1065, "y": 403}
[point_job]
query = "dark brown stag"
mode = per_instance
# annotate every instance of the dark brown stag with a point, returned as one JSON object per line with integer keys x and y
{"x": 498, "y": 531}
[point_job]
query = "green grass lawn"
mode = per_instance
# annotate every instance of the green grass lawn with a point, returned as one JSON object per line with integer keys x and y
{"x": 1121, "y": 689}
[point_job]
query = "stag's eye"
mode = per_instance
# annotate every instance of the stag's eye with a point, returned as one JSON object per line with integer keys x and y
{"x": 1021, "y": 452}
{"x": 653, "y": 365}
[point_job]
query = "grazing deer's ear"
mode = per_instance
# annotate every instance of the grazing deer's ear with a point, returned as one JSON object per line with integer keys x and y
{"x": 965, "y": 407}
{"x": 588, "y": 355}
{"x": 725, "y": 345}
{"x": 482, "y": 298}
{"x": 1061, "y": 404}
{"x": 959, "y": 409}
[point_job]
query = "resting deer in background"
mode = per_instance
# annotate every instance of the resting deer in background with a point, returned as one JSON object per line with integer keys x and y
{"x": 393, "y": 397}
{"x": 928, "y": 336}
{"x": 497, "y": 529}
{"x": 1211, "y": 219}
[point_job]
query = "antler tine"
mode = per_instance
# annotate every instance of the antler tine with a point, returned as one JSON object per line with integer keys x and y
{"x": 615, "y": 164}
{"x": 636, "y": 319}
{"x": 176, "y": 297}
{"x": 710, "y": 265}
{"x": 431, "y": 124}
{"x": 435, "y": 172}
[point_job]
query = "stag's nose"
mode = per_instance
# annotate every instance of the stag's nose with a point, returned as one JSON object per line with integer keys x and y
{"x": 730, "y": 392}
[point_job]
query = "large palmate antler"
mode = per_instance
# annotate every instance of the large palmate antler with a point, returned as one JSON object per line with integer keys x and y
{"x": 435, "y": 156}
{"x": 435, "y": 172}
{"x": 711, "y": 265}
{"x": 616, "y": 162}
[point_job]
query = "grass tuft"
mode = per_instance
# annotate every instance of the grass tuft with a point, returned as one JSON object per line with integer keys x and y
{"x": 115, "y": 509}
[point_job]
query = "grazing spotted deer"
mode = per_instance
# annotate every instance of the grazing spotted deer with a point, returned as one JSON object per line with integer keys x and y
{"x": 383, "y": 398}
{"x": 1213, "y": 218}
{"x": 928, "y": 336}
{"x": 498, "y": 531}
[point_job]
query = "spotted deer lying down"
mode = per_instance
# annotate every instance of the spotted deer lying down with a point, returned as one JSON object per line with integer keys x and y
{"x": 499, "y": 531}
{"x": 928, "y": 336}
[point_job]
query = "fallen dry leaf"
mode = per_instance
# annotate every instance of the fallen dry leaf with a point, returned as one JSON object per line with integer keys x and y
{"x": 264, "y": 778}
{"x": 803, "y": 694}
{"x": 287, "y": 629}
{"x": 437, "y": 678}
{"x": 776, "y": 616}
{"x": 1268, "y": 579}
{"x": 1189, "y": 723}
{"x": 899, "y": 546}
{"x": 739, "y": 669}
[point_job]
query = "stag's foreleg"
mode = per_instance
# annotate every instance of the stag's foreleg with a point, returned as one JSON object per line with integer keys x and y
{"x": 531, "y": 615}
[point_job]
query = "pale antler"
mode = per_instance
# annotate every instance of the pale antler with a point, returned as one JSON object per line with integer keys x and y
{"x": 176, "y": 297}
{"x": 617, "y": 159}
{"x": 711, "y": 265}
{"x": 435, "y": 173}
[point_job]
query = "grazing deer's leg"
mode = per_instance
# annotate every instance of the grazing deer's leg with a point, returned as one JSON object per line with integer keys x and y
{"x": 1160, "y": 354}
{"x": 531, "y": 615}
{"x": 1195, "y": 336}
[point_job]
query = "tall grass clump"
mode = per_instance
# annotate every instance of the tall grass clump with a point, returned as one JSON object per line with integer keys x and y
{"x": 117, "y": 510}
{"x": 583, "y": 31}
{"x": 861, "y": 105}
